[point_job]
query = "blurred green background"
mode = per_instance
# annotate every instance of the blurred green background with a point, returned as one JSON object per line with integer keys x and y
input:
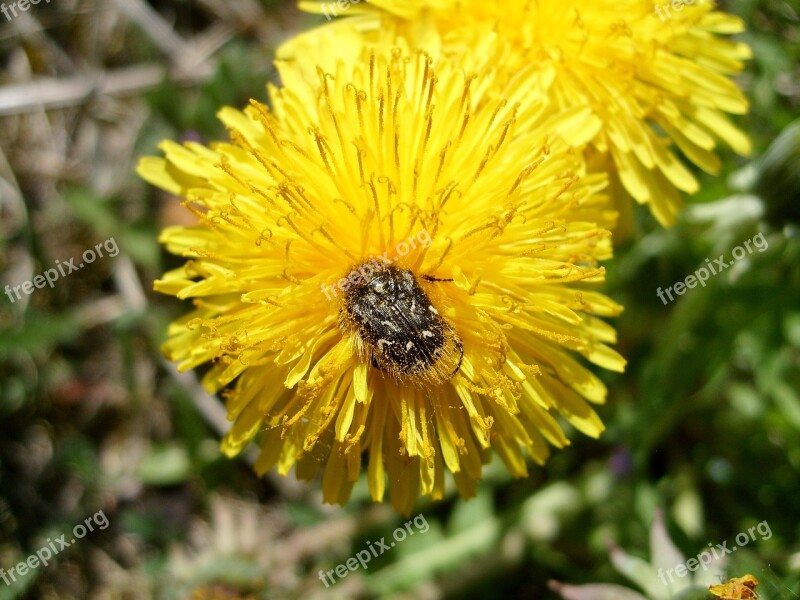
{"x": 705, "y": 422}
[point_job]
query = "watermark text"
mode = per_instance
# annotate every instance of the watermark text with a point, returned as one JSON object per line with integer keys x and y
{"x": 22, "y": 5}
{"x": 703, "y": 274}
{"x": 362, "y": 557}
{"x": 50, "y": 276}
{"x": 331, "y": 9}
{"x": 366, "y": 269}
{"x": 44, "y": 554}
{"x": 676, "y": 5}
{"x": 707, "y": 557}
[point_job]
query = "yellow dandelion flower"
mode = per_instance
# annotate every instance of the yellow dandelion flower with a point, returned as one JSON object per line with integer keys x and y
{"x": 385, "y": 266}
{"x": 657, "y": 78}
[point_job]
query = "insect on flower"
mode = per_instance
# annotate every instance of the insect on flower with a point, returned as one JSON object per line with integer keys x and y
{"x": 469, "y": 344}
{"x": 398, "y": 328}
{"x": 736, "y": 588}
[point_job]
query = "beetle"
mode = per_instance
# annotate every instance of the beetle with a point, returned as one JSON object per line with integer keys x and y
{"x": 398, "y": 328}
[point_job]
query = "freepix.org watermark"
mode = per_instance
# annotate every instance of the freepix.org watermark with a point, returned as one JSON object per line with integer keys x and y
{"x": 702, "y": 274}
{"x": 707, "y": 557}
{"x": 676, "y": 5}
{"x": 369, "y": 267}
{"x": 44, "y": 554}
{"x": 22, "y": 5}
{"x": 362, "y": 557}
{"x": 331, "y": 9}
{"x": 50, "y": 276}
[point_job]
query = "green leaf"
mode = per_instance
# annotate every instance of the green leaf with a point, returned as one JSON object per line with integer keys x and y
{"x": 166, "y": 465}
{"x": 39, "y": 332}
{"x": 468, "y": 512}
{"x": 639, "y": 572}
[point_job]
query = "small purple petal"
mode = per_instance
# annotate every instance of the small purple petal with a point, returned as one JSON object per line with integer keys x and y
{"x": 620, "y": 462}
